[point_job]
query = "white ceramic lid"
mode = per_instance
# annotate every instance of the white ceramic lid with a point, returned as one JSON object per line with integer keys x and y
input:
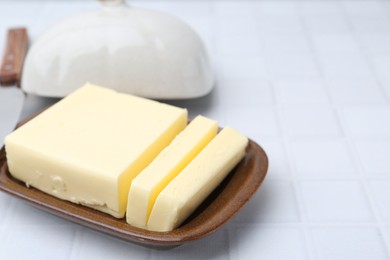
{"x": 142, "y": 52}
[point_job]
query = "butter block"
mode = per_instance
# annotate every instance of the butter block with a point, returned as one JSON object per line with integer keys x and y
{"x": 201, "y": 176}
{"x": 172, "y": 160}
{"x": 89, "y": 146}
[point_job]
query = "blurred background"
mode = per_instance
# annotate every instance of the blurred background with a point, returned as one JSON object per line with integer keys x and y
{"x": 309, "y": 81}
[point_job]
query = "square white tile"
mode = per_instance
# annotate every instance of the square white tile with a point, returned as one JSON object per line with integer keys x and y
{"x": 20, "y": 242}
{"x": 255, "y": 122}
{"x": 274, "y": 202}
{"x": 323, "y": 159}
{"x": 275, "y": 8}
{"x": 280, "y": 23}
{"x": 234, "y": 23}
{"x": 95, "y": 245}
{"x": 363, "y": 7}
{"x": 344, "y": 65}
{"x": 355, "y": 91}
{"x": 245, "y": 92}
{"x": 233, "y": 8}
{"x": 384, "y": 81}
{"x": 381, "y": 191}
{"x": 310, "y": 122}
{"x": 319, "y": 7}
{"x": 289, "y": 75}
{"x": 335, "y": 201}
{"x": 332, "y": 22}
{"x": 239, "y": 44}
{"x": 381, "y": 64}
{"x": 300, "y": 92}
{"x": 375, "y": 43}
{"x": 292, "y": 66}
{"x": 277, "y": 43}
{"x": 370, "y": 22}
{"x": 241, "y": 67}
{"x": 271, "y": 243}
{"x": 374, "y": 156}
{"x": 203, "y": 108}
{"x": 278, "y": 166}
{"x": 340, "y": 243}
{"x": 215, "y": 246}
{"x": 368, "y": 121}
{"x": 18, "y": 14}
{"x": 335, "y": 43}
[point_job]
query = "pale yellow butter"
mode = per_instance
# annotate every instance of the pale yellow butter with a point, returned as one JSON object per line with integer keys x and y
{"x": 149, "y": 183}
{"x": 88, "y": 147}
{"x": 185, "y": 192}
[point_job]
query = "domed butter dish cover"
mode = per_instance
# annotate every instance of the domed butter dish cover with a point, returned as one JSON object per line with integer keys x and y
{"x": 132, "y": 50}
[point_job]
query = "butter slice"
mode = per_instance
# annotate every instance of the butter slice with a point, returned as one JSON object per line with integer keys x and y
{"x": 88, "y": 147}
{"x": 172, "y": 160}
{"x": 202, "y": 175}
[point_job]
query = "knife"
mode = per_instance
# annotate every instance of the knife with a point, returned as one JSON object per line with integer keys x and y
{"x": 11, "y": 96}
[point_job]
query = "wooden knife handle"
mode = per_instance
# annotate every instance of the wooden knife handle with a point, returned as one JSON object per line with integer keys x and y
{"x": 15, "y": 52}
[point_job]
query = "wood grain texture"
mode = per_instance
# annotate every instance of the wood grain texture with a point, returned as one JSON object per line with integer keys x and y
{"x": 13, "y": 58}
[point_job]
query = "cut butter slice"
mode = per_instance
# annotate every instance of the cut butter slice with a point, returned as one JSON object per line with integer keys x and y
{"x": 149, "y": 183}
{"x": 88, "y": 147}
{"x": 185, "y": 192}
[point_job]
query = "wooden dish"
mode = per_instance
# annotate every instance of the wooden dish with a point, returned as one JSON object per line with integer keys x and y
{"x": 219, "y": 207}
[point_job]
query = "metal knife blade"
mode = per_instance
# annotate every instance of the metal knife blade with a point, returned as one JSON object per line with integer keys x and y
{"x": 11, "y": 96}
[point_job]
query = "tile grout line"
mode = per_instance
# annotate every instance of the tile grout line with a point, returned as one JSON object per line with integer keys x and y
{"x": 352, "y": 146}
{"x": 366, "y": 55}
{"x": 307, "y": 35}
{"x": 295, "y": 185}
{"x": 232, "y": 230}
{"x": 294, "y": 177}
{"x": 309, "y": 251}
{"x": 341, "y": 125}
{"x": 337, "y": 108}
{"x": 365, "y": 186}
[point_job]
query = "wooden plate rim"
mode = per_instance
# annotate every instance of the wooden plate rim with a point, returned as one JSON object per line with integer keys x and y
{"x": 226, "y": 200}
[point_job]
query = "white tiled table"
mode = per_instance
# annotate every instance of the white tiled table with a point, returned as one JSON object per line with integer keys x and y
{"x": 307, "y": 80}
